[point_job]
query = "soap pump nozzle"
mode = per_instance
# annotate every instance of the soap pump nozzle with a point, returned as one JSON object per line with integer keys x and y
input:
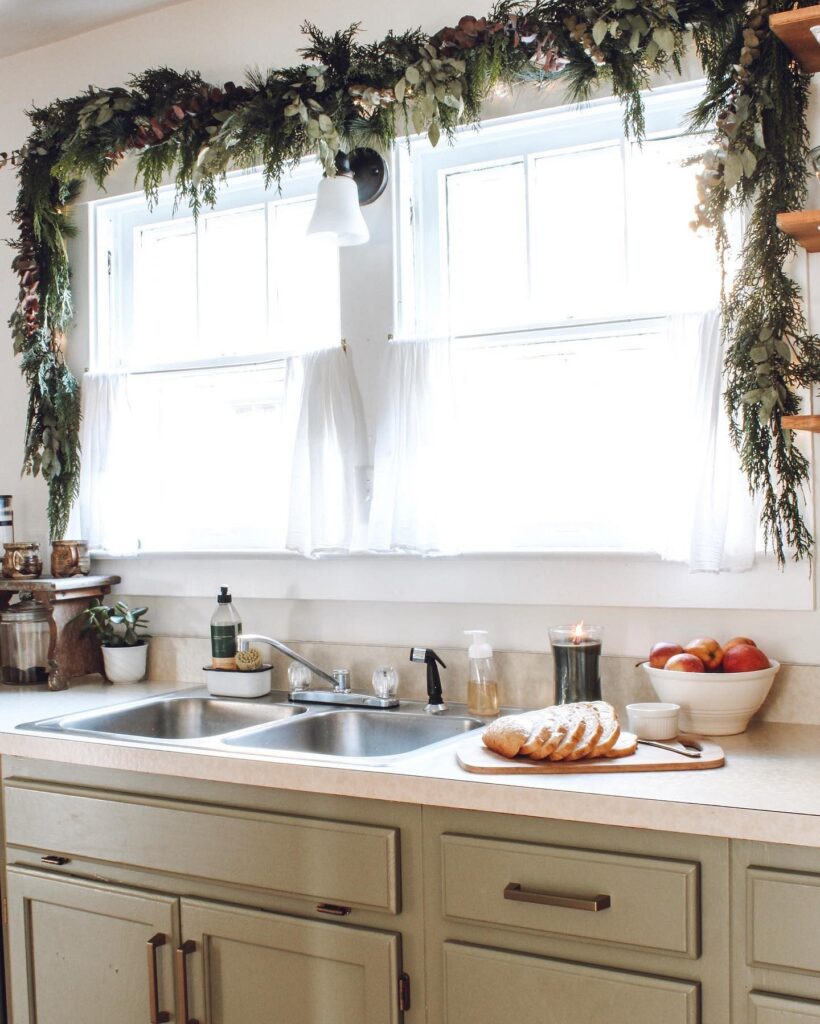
{"x": 435, "y": 698}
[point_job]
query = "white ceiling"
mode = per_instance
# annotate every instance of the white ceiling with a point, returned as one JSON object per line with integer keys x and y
{"x": 25, "y": 24}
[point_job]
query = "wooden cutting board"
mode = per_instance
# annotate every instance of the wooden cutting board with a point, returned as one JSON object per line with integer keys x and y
{"x": 473, "y": 756}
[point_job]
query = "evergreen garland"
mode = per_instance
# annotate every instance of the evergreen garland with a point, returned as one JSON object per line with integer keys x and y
{"x": 347, "y": 94}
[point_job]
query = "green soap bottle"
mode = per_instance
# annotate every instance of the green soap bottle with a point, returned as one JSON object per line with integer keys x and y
{"x": 225, "y": 628}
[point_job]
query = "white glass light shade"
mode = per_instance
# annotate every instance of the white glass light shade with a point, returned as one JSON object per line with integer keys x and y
{"x": 337, "y": 211}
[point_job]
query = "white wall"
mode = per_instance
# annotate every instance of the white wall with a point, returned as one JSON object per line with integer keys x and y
{"x": 375, "y": 600}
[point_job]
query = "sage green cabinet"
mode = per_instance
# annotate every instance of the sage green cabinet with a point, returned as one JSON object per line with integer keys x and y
{"x": 775, "y": 915}
{"x": 486, "y": 986}
{"x": 79, "y": 951}
{"x": 245, "y": 966}
{"x": 91, "y": 953}
{"x": 768, "y": 1009}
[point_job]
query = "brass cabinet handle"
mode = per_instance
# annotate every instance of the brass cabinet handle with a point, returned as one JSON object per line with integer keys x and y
{"x": 513, "y": 891}
{"x": 155, "y": 1015}
{"x": 182, "y": 951}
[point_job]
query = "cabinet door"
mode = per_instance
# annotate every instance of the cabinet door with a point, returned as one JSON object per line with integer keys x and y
{"x": 82, "y": 952}
{"x": 486, "y": 986}
{"x": 250, "y": 965}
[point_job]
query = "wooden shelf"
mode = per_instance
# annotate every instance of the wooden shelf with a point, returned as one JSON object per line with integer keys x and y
{"x": 53, "y": 585}
{"x": 810, "y": 423}
{"x": 803, "y": 226}
{"x": 793, "y": 29}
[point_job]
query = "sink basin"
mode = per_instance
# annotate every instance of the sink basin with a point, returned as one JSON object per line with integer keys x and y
{"x": 355, "y": 734}
{"x": 181, "y": 718}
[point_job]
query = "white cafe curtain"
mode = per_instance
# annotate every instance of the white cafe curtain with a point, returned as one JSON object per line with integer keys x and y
{"x": 325, "y": 427}
{"x": 110, "y": 494}
{"x": 415, "y": 470}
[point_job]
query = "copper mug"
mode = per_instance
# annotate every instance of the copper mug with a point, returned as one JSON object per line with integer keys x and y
{"x": 70, "y": 558}
{"x": 21, "y": 561}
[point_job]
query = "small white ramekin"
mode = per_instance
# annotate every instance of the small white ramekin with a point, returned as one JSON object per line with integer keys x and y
{"x": 653, "y": 721}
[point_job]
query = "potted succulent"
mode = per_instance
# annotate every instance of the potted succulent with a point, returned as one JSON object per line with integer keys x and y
{"x": 124, "y": 647}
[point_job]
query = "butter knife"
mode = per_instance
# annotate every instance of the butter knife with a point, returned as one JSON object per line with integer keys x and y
{"x": 675, "y": 747}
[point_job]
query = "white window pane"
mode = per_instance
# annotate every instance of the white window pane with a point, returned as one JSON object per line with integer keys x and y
{"x": 164, "y": 295}
{"x": 567, "y": 456}
{"x": 670, "y": 266}
{"x": 233, "y": 283}
{"x": 211, "y": 452}
{"x": 486, "y": 244}
{"x": 577, "y": 219}
{"x": 304, "y": 280}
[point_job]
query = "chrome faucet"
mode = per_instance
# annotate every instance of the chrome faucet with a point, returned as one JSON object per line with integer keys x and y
{"x": 339, "y": 679}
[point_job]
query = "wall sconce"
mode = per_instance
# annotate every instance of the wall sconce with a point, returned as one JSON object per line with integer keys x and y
{"x": 361, "y": 177}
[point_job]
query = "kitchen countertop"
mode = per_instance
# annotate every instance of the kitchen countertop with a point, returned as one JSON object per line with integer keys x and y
{"x": 768, "y": 790}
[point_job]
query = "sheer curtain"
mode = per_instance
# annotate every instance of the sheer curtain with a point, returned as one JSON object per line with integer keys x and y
{"x": 609, "y": 444}
{"x": 325, "y": 430}
{"x": 712, "y": 519}
{"x": 110, "y": 492}
{"x": 416, "y": 471}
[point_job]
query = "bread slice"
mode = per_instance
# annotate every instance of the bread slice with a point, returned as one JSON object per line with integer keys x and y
{"x": 572, "y": 716}
{"x": 627, "y": 744}
{"x": 507, "y": 735}
{"x": 545, "y": 737}
{"x": 592, "y": 734}
{"x": 611, "y": 729}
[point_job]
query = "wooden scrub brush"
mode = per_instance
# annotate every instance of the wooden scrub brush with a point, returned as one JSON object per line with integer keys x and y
{"x": 248, "y": 661}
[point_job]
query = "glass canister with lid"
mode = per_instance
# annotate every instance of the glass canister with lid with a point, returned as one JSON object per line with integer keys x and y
{"x": 27, "y": 633}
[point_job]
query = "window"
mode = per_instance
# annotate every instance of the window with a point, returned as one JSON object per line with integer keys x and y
{"x": 200, "y": 316}
{"x": 557, "y": 257}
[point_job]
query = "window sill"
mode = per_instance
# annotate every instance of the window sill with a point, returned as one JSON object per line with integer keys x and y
{"x": 584, "y": 580}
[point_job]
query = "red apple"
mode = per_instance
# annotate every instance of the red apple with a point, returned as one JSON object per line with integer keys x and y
{"x": 708, "y": 650}
{"x": 662, "y": 652}
{"x": 737, "y": 640}
{"x": 745, "y": 658}
{"x": 685, "y": 663}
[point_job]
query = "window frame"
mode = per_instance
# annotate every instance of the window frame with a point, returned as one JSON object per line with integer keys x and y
{"x": 420, "y": 211}
{"x": 112, "y": 221}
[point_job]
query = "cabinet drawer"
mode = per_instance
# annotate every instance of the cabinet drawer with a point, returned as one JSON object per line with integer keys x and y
{"x": 334, "y": 861}
{"x": 486, "y": 986}
{"x": 653, "y": 904}
{"x": 783, "y": 908}
{"x": 768, "y": 1009}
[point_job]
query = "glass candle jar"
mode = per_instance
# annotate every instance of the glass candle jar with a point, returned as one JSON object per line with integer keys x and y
{"x": 576, "y": 651}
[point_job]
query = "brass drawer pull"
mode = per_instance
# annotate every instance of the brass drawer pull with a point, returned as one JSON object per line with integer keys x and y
{"x": 182, "y": 980}
{"x": 513, "y": 891}
{"x": 52, "y": 858}
{"x": 333, "y": 909}
{"x": 155, "y": 1015}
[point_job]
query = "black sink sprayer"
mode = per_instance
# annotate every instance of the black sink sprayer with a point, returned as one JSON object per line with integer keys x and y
{"x": 435, "y": 699}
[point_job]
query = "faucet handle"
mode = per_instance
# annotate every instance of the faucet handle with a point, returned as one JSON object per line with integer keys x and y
{"x": 341, "y": 676}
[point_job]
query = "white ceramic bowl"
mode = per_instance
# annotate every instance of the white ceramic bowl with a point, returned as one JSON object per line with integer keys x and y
{"x": 713, "y": 703}
{"x": 653, "y": 721}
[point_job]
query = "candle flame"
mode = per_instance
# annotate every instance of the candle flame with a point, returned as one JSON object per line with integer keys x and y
{"x": 578, "y": 632}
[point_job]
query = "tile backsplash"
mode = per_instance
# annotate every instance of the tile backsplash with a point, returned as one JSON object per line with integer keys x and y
{"x": 525, "y": 678}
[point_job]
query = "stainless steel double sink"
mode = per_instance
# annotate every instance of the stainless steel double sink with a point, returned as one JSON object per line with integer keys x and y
{"x": 269, "y": 725}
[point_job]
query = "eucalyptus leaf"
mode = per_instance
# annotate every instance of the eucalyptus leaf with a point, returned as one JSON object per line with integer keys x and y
{"x": 733, "y": 170}
{"x": 665, "y": 38}
{"x": 599, "y": 31}
{"x": 749, "y": 161}
{"x": 399, "y": 90}
{"x": 412, "y": 75}
{"x": 434, "y": 133}
{"x": 783, "y": 349}
{"x": 759, "y": 354}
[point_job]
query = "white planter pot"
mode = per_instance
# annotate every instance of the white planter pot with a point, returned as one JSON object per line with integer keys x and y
{"x": 125, "y": 664}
